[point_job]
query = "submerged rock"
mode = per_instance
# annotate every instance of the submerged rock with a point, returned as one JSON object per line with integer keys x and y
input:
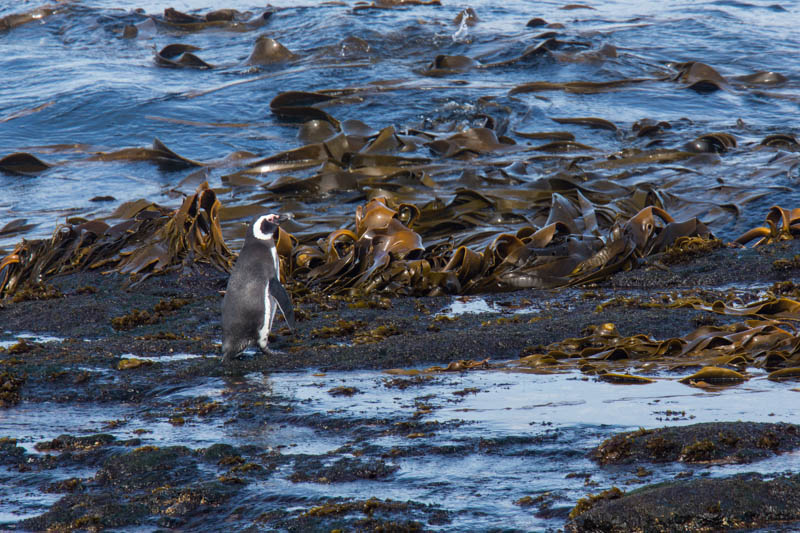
{"x": 715, "y": 442}
{"x": 746, "y": 501}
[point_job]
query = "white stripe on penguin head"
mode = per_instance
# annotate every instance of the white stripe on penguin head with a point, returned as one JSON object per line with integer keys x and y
{"x": 260, "y": 235}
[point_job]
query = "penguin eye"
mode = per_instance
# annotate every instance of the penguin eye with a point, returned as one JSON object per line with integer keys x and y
{"x": 265, "y": 228}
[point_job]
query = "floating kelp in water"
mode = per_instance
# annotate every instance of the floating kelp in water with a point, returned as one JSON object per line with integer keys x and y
{"x": 159, "y": 154}
{"x": 227, "y": 19}
{"x": 297, "y": 106}
{"x": 577, "y": 87}
{"x": 592, "y": 122}
{"x": 184, "y": 55}
{"x": 9, "y": 22}
{"x": 784, "y": 141}
{"x": 268, "y": 51}
{"x": 14, "y": 227}
{"x": 23, "y": 163}
{"x": 762, "y": 78}
{"x": 625, "y": 379}
{"x": 388, "y": 4}
{"x": 700, "y": 77}
{"x": 148, "y": 240}
{"x": 712, "y": 142}
{"x": 785, "y": 374}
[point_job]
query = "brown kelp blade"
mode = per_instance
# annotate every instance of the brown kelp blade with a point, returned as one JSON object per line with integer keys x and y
{"x": 782, "y": 224}
{"x": 268, "y": 51}
{"x": 23, "y": 163}
{"x": 159, "y": 154}
{"x": 15, "y": 227}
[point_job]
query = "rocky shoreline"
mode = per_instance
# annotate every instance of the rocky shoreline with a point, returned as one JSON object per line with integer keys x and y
{"x": 109, "y": 336}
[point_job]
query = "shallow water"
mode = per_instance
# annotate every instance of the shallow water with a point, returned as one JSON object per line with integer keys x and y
{"x": 501, "y": 436}
{"x": 73, "y": 86}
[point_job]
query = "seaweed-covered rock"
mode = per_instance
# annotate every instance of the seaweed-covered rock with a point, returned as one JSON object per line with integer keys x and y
{"x": 148, "y": 467}
{"x": 367, "y": 515}
{"x": 87, "y": 512}
{"x": 10, "y": 453}
{"x": 69, "y": 442}
{"x": 345, "y": 469}
{"x": 700, "y": 505}
{"x": 10, "y": 384}
{"x": 218, "y": 451}
{"x": 717, "y": 442}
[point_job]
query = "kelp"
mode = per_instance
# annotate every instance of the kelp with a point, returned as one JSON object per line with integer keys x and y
{"x": 386, "y": 249}
{"x": 23, "y": 163}
{"x": 708, "y": 357}
{"x": 227, "y": 19}
{"x": 603, "y": 350}
{"x": 389, "y": 4}
{"x": 268, "y": 51}
{"x": 146, "y": 240}
{"x": 180, "y": 56}
{"x": 782, "y": 224}
{"x": 9, "y": 22}
{"x": 699, "y": 77}
{"x": 576, "y": 87}
{"x": 159, "y": 154}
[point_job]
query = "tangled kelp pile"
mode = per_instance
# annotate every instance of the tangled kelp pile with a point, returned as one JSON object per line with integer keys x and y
{"x": 508, "y": 194}
{"x": 384, "y": 253}
{"x": 148, "y": 240}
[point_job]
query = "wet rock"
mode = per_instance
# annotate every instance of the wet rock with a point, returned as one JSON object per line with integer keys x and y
{"x": 219, "y": 451}
{"x": 10, "y": 384}
{"x": 176, "y": 504}
{"x": 343, "y": 391}
{"x": 376, "y": 515}
{"x": 345, "y": 469}
{"x": 10, "y": 453}
{"x": 72, "y": 484}
{"x": 68, "y": 442}
{"x": 746, "y": 501}
{"x": 715, "y": 442}
{"x": 87, "y": 512}
{"x": 148, "y": 467}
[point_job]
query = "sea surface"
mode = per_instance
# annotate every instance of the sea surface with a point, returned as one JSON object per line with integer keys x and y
{"x": 73, "y": 86}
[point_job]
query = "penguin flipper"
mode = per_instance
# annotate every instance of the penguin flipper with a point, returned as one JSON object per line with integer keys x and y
{"x": 277, "y": 291}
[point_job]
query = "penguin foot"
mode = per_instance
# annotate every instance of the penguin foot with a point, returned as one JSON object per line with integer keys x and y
{"x": 229, "y": 358}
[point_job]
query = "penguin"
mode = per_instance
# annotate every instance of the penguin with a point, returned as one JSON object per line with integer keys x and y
{"x": 254, "y": 291}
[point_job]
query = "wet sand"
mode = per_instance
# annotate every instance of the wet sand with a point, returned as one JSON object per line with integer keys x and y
{"x": 100, "y": 357}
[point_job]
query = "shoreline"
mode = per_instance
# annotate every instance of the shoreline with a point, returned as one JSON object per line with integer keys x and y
{"x": 94, "y": 363}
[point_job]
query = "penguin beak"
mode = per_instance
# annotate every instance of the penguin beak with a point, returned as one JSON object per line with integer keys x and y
{"x": 284, "y": 217}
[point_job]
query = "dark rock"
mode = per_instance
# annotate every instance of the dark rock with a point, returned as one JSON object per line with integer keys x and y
{"x": 746, "y": 501}
{"x": 717, "y": 442}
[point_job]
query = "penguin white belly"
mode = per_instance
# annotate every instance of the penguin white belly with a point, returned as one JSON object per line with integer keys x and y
{"x": 269, "y": 314}
{"x": 270, "y": 304}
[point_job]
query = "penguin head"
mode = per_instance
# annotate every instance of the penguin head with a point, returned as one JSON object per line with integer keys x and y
{"x": 263, "y": 229}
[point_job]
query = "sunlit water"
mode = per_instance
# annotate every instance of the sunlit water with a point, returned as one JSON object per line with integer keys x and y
{"x": 100, "y": 92}
{"x": 555, "y": 420}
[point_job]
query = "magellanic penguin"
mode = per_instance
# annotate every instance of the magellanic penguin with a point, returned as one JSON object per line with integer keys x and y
{"x": 254, "y": 291}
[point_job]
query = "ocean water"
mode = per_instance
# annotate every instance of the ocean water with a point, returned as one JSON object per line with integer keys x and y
{"x": 73, "y": 86}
